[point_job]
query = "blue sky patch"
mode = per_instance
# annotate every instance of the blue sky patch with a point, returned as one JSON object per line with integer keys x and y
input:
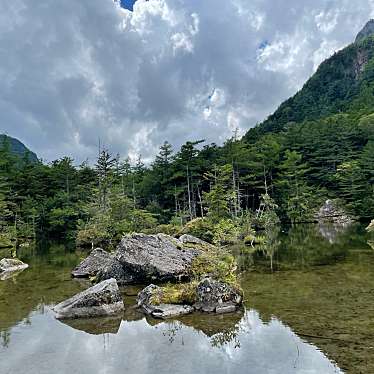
{"x": 128, "y": 4}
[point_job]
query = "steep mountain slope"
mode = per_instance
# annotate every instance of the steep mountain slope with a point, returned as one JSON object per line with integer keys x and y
{"x": 343, "y": 83}
{"x": 17, "y": 147}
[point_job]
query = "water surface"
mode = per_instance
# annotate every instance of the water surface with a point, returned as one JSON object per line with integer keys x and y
{"x": 308, "y": 309}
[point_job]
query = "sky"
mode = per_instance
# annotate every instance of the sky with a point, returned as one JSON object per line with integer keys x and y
{"x": 74, "y": 73}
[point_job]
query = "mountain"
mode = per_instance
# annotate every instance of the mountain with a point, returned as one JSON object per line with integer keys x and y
{"x": 17, "y": 147}
{"x": 366, "y": 31}
{"x": 344, "y": 83}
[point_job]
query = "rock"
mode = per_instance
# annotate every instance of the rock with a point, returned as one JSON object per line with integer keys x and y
{"x": 330, "y": 212}
{"x": 12, "y": 264}
{"x": 218, "y": 297}
{"x": 96, "y": 261}
{"x": 164, "y": 311}
{"x": 155, "y": 258}
{"x": 103, "y": 299}
{"x": 114, "y": 270}
{"x": 370, "y": 228}
{"x": 189, "y": 239}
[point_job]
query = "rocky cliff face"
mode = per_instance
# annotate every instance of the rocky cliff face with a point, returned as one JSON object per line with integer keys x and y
{"x": 368, "y": 30}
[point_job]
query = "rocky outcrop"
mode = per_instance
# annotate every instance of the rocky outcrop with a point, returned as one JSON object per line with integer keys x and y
{"x": 103, "y": 299}
{"x": 330, "y": 212}
{"x": 102, "y": 265}
{"x": 218, "y": 297}
{"x": 192, "y": 240}
{"x": 141, "y": 258}
{"x": 12, "y": 264}
{"x": 211, "y": 296}
{"x": 370, "y": 228}
{"x": 145, "y": 300}
{"x": 155, "y": 258}
{"x": 114, "y": 270}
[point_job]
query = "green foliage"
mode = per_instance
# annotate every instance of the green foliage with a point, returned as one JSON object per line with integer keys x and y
{"x": 221, "y": 196}
{"x": 317, "y": 145}
{"x": 225, "y": 232}
{"x": 217, "y": 264}
{"x": 202, "y": 228}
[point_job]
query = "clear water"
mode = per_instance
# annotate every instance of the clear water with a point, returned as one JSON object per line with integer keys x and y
{"x": 308, "y": 309}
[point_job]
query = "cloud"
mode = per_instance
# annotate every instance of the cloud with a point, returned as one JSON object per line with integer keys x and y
{"x": 74, "y": 72}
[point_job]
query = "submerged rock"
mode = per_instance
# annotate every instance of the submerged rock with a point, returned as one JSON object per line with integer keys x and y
{"x": 144, "y": 300}
{"x": 218, "y": 297}
{"x": 150, "y": 258}
{"x": 103, "y": 299}
{"x": 12, "y": 264}
{"x": 332, "y": 213}
{"x": 96, "y": 261}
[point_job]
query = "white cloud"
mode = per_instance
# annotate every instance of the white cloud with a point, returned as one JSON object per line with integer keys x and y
{"x": 73, "y": 72}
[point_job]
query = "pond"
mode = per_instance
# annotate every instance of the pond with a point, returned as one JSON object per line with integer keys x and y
{"x": 308, "y": 309}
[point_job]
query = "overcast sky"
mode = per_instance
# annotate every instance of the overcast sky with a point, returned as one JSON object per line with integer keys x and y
{"x": 73, "y": 72}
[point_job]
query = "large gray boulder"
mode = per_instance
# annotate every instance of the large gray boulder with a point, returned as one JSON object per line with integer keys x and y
{"x": 155, "y": 258}
{"x": 114, "y": 269}
{"x": 96, "y": 261}
{"x": 12, "y": 264}
{"x": 164, "y": 311}
{"x": 103, "y": 299}
{"x": 331, "y": 212}
{"x": 218, "y": 297}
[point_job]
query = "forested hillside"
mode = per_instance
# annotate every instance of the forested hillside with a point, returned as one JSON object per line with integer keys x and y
{"x": 317, "y": 145}
{"x": 17, "y": 148}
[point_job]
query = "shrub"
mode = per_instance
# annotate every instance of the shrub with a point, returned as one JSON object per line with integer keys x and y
{"x": 225, "y": 232}
{"x": 202, "y": 228}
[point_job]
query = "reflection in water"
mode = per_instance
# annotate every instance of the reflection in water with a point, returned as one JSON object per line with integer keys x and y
{"x": 95, "y": 326}
{"x": 333, "y": 232}
{"x": 300, "y": 246}
{"x": 168, "y": 347}
{"x": 317, "y": 302}
{"x": 10, "y": 274}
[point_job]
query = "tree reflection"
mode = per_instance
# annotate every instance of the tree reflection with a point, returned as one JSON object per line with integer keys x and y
{"x": 5, "y": 338}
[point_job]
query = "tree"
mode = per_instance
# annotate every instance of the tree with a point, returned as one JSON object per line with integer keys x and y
{"x": 104, "y": 169}
{"x": 220, "y": 200}
{"x": 293, "y": 189}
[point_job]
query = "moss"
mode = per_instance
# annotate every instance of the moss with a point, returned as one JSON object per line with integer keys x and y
{"x": 249, "y": 239}
{"x": 217, "y": 264}
{"x": 202, "y": 247}
{"x": 184, "y": 293}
